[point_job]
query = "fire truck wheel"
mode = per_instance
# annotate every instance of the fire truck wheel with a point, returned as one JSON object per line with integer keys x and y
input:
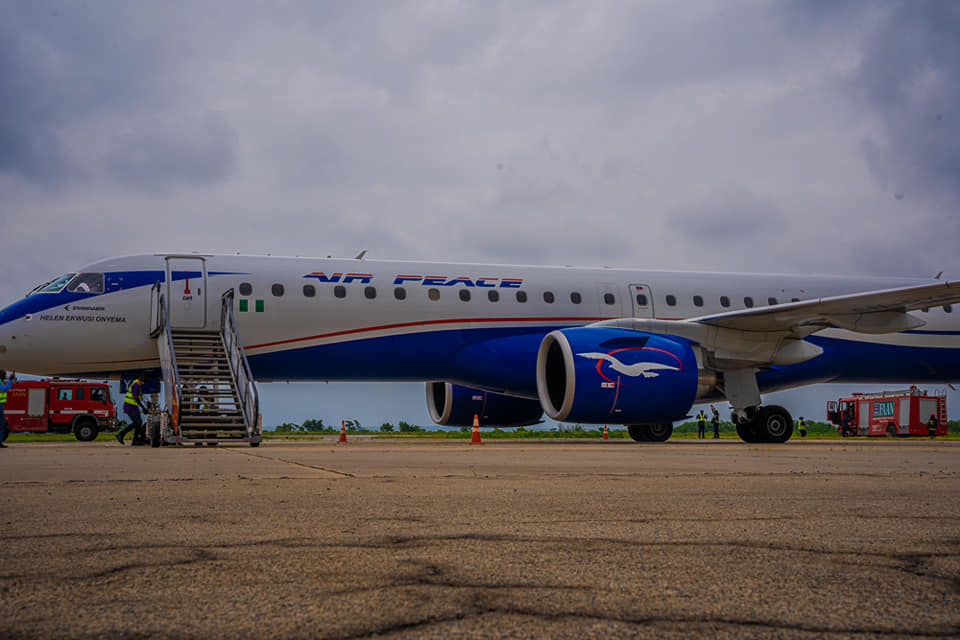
{"x": 85, "y": 430}
{"x": 254, "y": 444}
{"x": 639, "y": 432}
{"x": 775, "y": 424}
{"x": 891, "y": 430}
{"x": 155, "y": 434}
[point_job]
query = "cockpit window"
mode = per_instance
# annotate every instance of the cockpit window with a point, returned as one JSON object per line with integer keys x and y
{"x": 87, "y": 283}
{"x": 55, "y": 285}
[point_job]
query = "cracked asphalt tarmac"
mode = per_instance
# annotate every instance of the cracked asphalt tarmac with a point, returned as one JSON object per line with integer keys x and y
{"x": 437, "y": 539}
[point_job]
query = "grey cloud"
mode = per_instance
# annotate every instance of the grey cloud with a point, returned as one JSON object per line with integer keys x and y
{"x": 729, "y": 215}
{"x": 155, "y": 156}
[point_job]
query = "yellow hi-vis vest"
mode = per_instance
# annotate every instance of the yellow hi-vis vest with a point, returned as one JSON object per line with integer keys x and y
{"x": 129, "y": 398}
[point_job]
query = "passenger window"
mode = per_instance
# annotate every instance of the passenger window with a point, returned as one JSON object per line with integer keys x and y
{"x": 277, "y": 290}
{"x": 794, "y": 299}
{"x": 79, "y": 394}
{"x": 575, "y": 298}
{"x": 309, "y": 291}
{"x": 698, "y": 301}
{"x": 521, "y": 296}
{"x": 493, "y": 295}
{"x": 465, "y": 295}
{"x": 748, "y": 302}
{"x": 642, "y": 299}
{"x": 245, "y": 289}
{"x": 548, "y": 297}
{"x": 724, "y": 301}
{"x": 609, "y": 298}
{"x": 64, "y": 394}
{"x": 771, "y": 301}
{"x": 433, "y": 294}
{"x": 340, "y": 291}
{"x": 400, "y": 293}
{"x": 671, "y": 300}
{"x": 370, "y": 293}
{"x": 87, "y": 283}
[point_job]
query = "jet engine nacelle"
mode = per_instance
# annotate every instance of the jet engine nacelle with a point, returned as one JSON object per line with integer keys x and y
{"x": 452, "y": 405}
{"x": 596, "y": 374}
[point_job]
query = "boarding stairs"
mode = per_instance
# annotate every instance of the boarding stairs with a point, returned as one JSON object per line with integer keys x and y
{"x": 209, "y": 393}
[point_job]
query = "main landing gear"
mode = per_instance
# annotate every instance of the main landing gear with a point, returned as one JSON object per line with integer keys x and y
{"x": 659, "y": 432}
{"x": 764, "y": 424}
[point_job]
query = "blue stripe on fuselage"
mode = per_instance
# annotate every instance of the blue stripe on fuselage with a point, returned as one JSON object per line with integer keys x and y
{"x": 505, "y": 359}
{"x": 113, "y": 281}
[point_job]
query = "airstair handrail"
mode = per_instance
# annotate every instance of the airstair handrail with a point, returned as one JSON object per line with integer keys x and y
{"x": 239, "y": 367}
{"x": 168, "y": 361}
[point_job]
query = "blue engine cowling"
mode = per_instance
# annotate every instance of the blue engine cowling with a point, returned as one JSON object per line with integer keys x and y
{"x": 454, "y": 406}
{"x": 596, "y": 374}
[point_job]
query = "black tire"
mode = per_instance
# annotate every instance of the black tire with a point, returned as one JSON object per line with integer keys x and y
{"x": 86, "y": 429}
{"x": 155, "y": 434}
{"x": 254, "y": 444}
{"x": 660, "y": 432}
{"x": 747, "y": 432}
{"x": 639, "y": 432}
{"x": 774, "y": 424}
{"x": 891, "y": 430}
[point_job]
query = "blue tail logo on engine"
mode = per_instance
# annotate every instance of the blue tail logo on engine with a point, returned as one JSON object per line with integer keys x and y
{"x": 635, "y": 370}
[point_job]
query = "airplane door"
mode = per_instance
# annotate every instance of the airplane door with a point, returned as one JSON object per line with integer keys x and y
{"x": 642, "y": 301}
{"x": 187, "y": 292}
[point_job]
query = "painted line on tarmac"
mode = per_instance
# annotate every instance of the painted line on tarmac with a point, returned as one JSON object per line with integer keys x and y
{"x": 293, "y": 462}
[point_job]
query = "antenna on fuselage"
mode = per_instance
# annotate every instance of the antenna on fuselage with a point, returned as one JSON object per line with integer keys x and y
{"x": 937, "y": 277}
{"x": 361, "y": 254}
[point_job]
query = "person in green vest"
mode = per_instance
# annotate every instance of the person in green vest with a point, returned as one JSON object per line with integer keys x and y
{"x": 802, "y": 427}
{"x": 701, "y": 424}
{"x": 5, "y": 384}
{"x": 132, "y": 405}
{"x": 715, "y": 421}
{"x": 932, "y": 425}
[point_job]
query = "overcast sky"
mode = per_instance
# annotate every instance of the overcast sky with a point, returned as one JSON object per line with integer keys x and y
{"x": 814, "y": 136}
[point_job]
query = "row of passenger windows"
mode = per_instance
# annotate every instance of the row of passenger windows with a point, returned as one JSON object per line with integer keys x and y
{"x": 400, "y": 293}
{"x": 493, "y": 295}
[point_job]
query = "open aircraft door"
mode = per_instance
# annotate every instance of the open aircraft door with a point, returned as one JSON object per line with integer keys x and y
{"x": 187, "y": 292}
{"x": 642, "y": 301}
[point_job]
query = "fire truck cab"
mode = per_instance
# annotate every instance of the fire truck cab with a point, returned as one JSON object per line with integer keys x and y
{"x": 889, "y": 413}
{"x": 60, "y": 406}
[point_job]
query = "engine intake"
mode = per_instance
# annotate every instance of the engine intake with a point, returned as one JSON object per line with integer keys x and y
{"x": 597, "y": 374}
{"x": 452, "y": 405}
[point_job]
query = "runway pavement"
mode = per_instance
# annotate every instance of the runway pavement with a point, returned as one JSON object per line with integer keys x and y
{"x": 438, "y": 539}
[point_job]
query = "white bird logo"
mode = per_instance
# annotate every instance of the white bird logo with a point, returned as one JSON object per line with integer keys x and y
{"x": 646, "y": 369}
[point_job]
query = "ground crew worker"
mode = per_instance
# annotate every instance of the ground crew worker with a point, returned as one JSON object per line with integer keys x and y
{"x": 802, "y": 426}
{"x": 932, "y": 425}
{"x": 132, "y": 404}
{"x": 5, "y": 385}
{"x": 715, "y": 421}
{"x": 701, "y": 424}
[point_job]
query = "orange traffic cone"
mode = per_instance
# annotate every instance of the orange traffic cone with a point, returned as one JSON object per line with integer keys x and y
{"x": 476, "y": 431}
{"x": 606, "y": 436}
{"x": 343, "y": 431}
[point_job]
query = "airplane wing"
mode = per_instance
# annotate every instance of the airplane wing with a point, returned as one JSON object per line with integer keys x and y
{"x": 774, "y": 335}
{"x": 883, "y": 311}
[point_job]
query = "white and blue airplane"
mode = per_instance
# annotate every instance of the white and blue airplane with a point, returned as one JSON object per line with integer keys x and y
{"x": 507, "y": 342}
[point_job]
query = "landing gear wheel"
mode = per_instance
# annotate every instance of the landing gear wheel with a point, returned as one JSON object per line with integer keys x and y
{"x": 774, "y": 424}
{"x": 155, "y": 432}
{"x": 747, "y": 432}
{"x": 660, "y": 432}
{"x": 639, "y": 432}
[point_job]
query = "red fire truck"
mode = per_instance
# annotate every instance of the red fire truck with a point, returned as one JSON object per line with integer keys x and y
{"x": 60, "y": 406}
{"x": 889, "y": 413}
